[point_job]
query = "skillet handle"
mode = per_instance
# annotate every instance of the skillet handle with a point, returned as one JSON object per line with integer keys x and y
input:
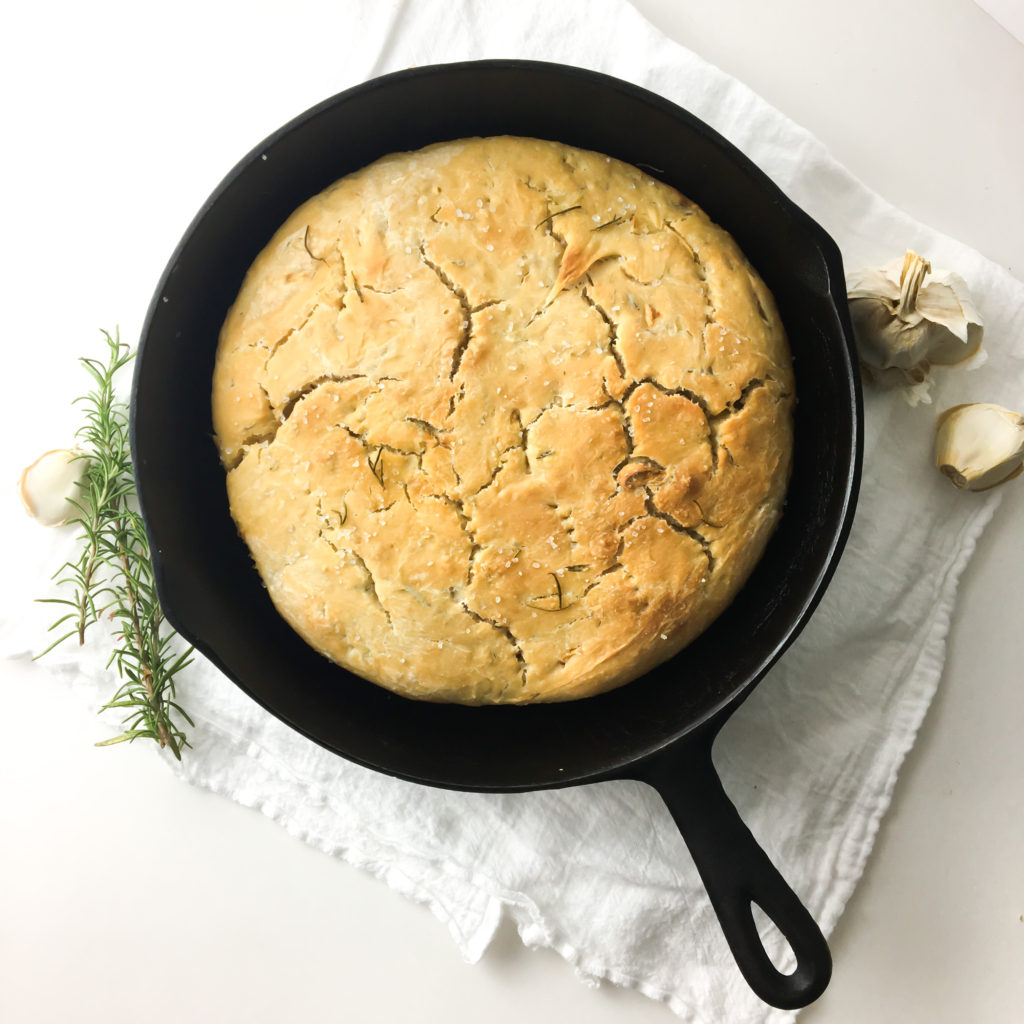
{"x": 736, "y": 872}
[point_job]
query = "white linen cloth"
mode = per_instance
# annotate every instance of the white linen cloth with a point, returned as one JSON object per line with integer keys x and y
{"x": 598, "y": 873}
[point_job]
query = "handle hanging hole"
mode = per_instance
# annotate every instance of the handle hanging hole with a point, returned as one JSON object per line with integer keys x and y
{"x": 779, "y": 951}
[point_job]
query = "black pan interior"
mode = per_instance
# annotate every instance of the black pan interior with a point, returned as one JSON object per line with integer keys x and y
{"x": 211, "y": 592}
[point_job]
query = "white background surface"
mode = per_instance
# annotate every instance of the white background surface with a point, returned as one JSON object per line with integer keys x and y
{"x": 127, "y": 894}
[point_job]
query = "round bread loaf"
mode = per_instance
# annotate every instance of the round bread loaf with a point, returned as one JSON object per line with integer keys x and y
{"x": 503, "y": 421}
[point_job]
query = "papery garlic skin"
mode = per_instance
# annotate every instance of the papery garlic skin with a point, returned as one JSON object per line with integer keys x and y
{"x": 908, "y": 318}
{"x": 979, "y": 445}
{"x": 51, "y": 483}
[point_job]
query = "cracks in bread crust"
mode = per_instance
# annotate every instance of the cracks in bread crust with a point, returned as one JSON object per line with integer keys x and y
{"x": 540, "y": 452}
{"x": 370, "y": 584}
{"x": 613, "y": 335}
{"x": 467, "y": 311}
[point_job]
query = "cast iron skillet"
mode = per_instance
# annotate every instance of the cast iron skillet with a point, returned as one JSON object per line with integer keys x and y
{"x": 658, "y": 729}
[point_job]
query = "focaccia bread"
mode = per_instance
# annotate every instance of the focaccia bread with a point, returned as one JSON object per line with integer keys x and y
{"x": 503, "y": 421}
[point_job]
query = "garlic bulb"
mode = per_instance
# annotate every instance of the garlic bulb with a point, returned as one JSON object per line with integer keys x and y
{"x": 48, "y": 486}
{"x": 907, "y": 318}
{"x": 980, "y": 445}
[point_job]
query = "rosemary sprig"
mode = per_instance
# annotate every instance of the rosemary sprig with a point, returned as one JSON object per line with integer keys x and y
{"x": 376, "y": 463}
{"x": 112, "y": 577}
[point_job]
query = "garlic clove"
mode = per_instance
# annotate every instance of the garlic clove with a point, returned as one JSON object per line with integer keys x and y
{"x": 892, "y": 352}
{"x": 50, "y": 485}
{"x": 907, "y": 318}
{"x": 874, "y": 283}
{"x": 945, "y": 300}
{"x": 979, "y": 445}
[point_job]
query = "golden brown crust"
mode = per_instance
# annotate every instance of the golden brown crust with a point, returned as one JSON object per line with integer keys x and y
{"x": 503, "y": 421}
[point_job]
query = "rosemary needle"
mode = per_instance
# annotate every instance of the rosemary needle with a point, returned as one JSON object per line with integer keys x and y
{"x": 112, "y": 575}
